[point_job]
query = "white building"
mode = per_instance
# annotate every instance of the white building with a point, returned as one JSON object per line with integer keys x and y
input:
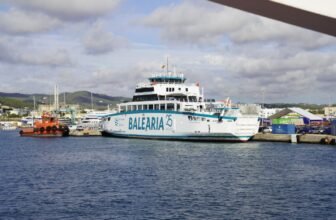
{"x": 267, "y": 112}
{"x": 330, "y": 111}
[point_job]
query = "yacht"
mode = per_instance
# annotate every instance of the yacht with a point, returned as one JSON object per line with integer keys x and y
{"x": 92, "y": 120}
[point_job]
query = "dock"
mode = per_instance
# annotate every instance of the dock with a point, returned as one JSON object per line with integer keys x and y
{"x": 85, "y": 132}
{"x": 296, "y": 138}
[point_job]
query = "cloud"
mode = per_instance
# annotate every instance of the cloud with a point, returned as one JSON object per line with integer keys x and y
{"x": 188, "y": 23}
{"x": 72, "y": 10}
{"x": 100, "y": 41}
{"x": 15, "y": 21}
{"x": 197, "y": 23}
{"x": 295, "y": 76}
{"x": 13, "y": 53}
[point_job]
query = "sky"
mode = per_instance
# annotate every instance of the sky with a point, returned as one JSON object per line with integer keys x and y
{"x": 108, "y": 46}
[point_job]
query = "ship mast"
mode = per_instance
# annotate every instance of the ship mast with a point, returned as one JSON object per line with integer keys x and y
{"x": 91, "y": 102}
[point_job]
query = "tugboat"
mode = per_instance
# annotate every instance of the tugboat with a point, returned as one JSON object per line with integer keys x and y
{"x": 49, "y": 126}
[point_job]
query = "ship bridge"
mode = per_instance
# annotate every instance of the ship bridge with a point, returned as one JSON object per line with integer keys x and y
{"x": 170, "y": 78}
{"x": 167, "y": 86}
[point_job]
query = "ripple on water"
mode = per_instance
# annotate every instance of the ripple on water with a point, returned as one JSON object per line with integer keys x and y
{"x": 104, "y": 178}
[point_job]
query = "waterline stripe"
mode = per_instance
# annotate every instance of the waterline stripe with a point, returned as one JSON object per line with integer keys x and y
{"x": 179, "y": 136}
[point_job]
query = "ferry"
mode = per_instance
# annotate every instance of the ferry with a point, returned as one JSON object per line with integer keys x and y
{"x": 167, "y": 108}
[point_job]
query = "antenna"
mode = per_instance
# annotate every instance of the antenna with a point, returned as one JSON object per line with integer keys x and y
{"x": 167, "y": 65}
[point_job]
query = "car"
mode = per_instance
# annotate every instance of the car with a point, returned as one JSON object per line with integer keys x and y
{"x": 313, "y": 130}
{"x": 266, "y": 129}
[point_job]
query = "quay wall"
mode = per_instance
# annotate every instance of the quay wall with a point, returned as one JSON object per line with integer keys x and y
{"x": 306, "y": 138}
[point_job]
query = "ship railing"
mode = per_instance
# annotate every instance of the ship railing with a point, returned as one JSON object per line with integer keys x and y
{"x": 143, "y": 84}
{"x": 169, "y": 74}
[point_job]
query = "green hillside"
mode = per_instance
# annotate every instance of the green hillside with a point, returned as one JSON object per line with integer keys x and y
{"x": 16, "y": 103}
{"x": 83, "y": 98}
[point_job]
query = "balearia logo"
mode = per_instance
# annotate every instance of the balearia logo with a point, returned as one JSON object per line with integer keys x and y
{"x": 146, "y": 123}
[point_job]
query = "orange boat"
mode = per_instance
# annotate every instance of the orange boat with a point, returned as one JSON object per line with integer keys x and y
{"x": 49, "y": 126}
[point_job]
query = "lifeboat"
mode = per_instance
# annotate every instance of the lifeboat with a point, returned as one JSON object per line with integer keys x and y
{"x": 49, "y": 126}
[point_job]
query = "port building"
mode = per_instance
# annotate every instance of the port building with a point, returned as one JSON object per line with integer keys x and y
{"x": 330, "y": 111}
{"x": 296, "y": 116}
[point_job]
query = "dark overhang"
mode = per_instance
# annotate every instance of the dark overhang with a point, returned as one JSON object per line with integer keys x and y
{"x": 285, "y": 13}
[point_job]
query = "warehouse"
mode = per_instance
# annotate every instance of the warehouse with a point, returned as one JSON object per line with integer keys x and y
{"x": 296, "y": 116}
{"x": 288, "y": 120}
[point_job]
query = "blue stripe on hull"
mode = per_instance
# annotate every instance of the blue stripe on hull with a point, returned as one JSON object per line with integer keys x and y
{"x": 182, "y": 137}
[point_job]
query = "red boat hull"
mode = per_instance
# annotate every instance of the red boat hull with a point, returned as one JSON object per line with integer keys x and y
{"x": 33, "y": 132}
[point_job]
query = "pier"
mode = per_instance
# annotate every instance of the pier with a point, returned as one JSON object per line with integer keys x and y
{"x": 296, "y": 138}
{"x": 85, "y": 133}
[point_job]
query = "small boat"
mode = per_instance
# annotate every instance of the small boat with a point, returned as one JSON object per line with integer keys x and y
{"x": 7, "y": 126}
{"x": 48, "y": 126}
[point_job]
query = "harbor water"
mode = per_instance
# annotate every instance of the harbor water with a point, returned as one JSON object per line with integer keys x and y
{"x": 111, "y": 178}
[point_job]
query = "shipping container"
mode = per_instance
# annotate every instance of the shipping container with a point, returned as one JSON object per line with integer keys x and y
{"x": 283, "y": 129}
{"x": 333, "y": 128}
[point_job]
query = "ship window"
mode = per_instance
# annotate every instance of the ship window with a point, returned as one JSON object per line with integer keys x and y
{"x": 179, "y": 89}
{"x": 173, "y": 89}
{"x": 186, "y": 89}
{"x": 178, "y": 107}
{"x": 162, "y": 107}
{"x": 109, "y": 119}
{"x": 134, "y": 108}
{"x": 170, "y": 106}
{"x": 150, "y": 89}
{"x": 150, "y": 107}
{"x": 145, "y": 107}
{"x": 145, "y": 97}
{"x": 157, "y": 106}
{"x": 166, "y": 89}
{"x": 139, "y": 107}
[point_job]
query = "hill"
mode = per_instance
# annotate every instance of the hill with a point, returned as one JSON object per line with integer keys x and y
{"x": 83, "y": 98}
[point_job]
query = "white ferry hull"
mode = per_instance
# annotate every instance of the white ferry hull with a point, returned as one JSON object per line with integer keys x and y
{"x": 171, "y": 125}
